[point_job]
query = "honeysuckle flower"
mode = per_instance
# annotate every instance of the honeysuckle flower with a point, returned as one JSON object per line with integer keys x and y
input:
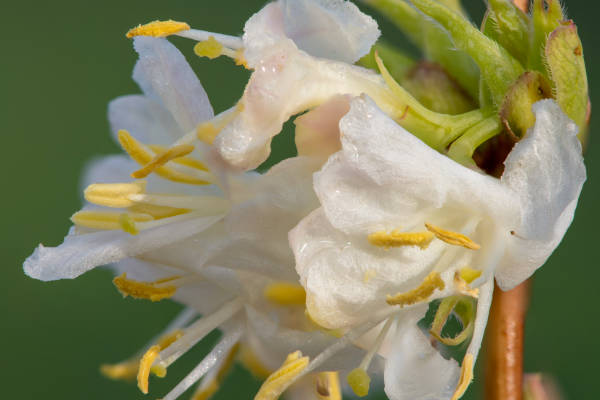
{"x": 401, "y": 225}
{"x": 212, "y": 240}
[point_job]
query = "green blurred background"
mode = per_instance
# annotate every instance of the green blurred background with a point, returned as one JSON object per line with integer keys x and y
{"x": 62, "y": 62}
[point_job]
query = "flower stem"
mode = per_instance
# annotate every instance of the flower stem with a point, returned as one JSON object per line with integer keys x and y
{"x": 504, "y": 362}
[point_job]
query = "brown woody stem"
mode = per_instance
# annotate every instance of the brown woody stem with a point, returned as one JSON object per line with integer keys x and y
{"x": 504, "y": 361}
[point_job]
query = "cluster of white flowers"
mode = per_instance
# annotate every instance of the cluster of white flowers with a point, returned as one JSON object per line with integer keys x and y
{"x": 325, "y": 264}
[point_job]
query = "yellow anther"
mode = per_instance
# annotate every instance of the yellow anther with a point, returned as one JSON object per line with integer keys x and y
{"x": 145, "y": 366}
{"x": 162, "y": 158}
{"x": 206, "y": 390}
{"x": 454, "y": 238}
{"x": 209, "y": 48}
{"x": 144, "y": 290}
{"x": 431, "y": 282}
{"x": 252, "y": 363}
{"x": 279, "y": 380}
{"x": 128, "y": 224}
{"x": 157, "y": 212}
{"x": 169, "y": 339}
{"x": 113, "y": 194}
{"x": 140, "y": 154}
{"x": 359, "y": 382}
{"x": 397, "y": 239}
{"x": 126, "y": 370}
{"x": 468, "y": 274}
{"x": 285, "y": 294}
{"x": 105, "y": 220}
{"x": 466, "y": 376}
{"x": 240, "y": 59}
{"x": 328, "y": 386}
{"x": 187, "y": 161}
{"x": 158, "y": 29}
{"x": 207, "y": 132}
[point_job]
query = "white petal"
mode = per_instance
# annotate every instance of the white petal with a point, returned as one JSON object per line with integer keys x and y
{"x": 165, "y": 76}
{"x": 347, "y": 279}
{"x": 546, "y": 170}
{"x": 386, "y": 178}
{"x": 108, "y": 169}
{"x": 415, "y": 370}
{"x": 81, "y": 253}
{"x": 286, "y": 82}
{"x": 146, "y": 120}
{"x": 334, "y": 29}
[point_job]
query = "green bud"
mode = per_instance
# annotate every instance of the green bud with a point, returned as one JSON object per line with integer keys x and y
{"x": 515, "y": 112}
{"x": 509, "y": 26}
{"x": 545, "y": 18}
{"x": 566, "y": 67}
{"x": 434, "y": 41}
{"x": 498, "y": 67}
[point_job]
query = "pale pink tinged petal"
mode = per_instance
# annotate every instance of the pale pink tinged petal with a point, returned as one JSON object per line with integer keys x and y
{"x": 545, "y": 169}
{"x": 263, "y": 30}
{"x": 318, "y": 131}
{"x": 165, "y": 76}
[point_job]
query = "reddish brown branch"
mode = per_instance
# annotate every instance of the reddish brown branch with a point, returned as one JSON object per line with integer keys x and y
{"x": 504, "y": 362}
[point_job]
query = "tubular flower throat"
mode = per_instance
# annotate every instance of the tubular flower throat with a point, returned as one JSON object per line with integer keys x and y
{"x": 416, "y": 184}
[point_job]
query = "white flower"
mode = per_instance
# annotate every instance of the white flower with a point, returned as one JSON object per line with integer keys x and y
{"x": 401, "y": 225}
{"x": 210, "y": 239}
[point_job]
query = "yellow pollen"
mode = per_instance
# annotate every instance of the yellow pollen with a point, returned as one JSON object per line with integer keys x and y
{"x": 328, "y": 386}
{"x": 466, "y": 376}
{"x": 145, "y": 366}
{"x": 209, "y": 48}
{"x": 143, "y": 156}
{"x": 113, "y": 194}
{"x": 143, "y": 290}
{"x": 207, "y": 390}
{"x": 250, "y": 360}
{"x": 431, "y": 282}
{"x": 285, "y": 294}
{"x": 207, "y": 132}
{"x": 126, "y": 370}
{"x": 453, "y": 238}
{"x": 240, "y": 59}
{"x": 468, "y": 274}
{"x": 106, "y": 220}
{"x": 158, "y": 29}
{"x": 187, "y": 161}
{"x": 162, "y": 158}
{"x": 397, "y": 239}
{"x": 279, "y": 380}
{"x": 359, "y": 382}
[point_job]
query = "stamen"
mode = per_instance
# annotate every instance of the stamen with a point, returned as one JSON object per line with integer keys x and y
{"x": 214, "y": 204}
{"x": 140, "y": 154}
{"x": 252, "y": 363}
{"x": 464, "y": 308}
{"x": 157, "y": 212}
{"x": 162, "y": 158}
{"x": 128, "y": 224}
{"x": 232, "y": 42}
{"x": 209, "y": 48}
{"x": 285, "y": 294}
{"x": 208, "y": 131}
{"x": 397, "y": 239}
{"x": 431, "y": 282}
{"x": 462, "y": 279}
{"x": 158, "y": 29}
{"x": 106, "y": 220}
{"x": 453, "y": 238}
{"x": 144, "y": 290}
{"x": 328, "y": 386}
{"x": 145, "y": 364}
{"x": 277, "y": 382}
{"x": 468, "y": 274}
{"x": 466, "y": 376}
{"x": 126, "y": 370}
{"x": 210, "y": 385}
{"x": 113, "y": 194}
{"x": 187, "y": 161}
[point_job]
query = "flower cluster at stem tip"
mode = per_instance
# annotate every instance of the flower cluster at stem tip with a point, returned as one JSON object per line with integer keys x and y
{"x": 417, "y": 185}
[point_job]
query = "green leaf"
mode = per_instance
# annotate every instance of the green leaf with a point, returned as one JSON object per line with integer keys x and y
{"x": 498, "y": 67}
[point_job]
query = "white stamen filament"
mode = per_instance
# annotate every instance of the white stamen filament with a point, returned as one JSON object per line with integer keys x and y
{"x": 177, "y": 218}
{"x": 196, "y": 332}
{"x": 217, "y": 353}
{"x": 366, "y": 361}
{"x": 233, "y": 42}
{"x": 208, "y": 203}
{"x": 179, "y": 282}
